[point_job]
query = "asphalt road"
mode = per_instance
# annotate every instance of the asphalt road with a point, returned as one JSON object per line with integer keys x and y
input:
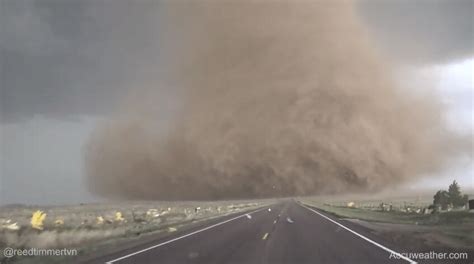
{"x": 289, "y": 233}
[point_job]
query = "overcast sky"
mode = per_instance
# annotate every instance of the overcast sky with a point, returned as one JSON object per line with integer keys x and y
{"x": 66, "y": 64}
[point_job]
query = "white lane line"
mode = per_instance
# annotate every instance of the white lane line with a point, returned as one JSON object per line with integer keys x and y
{"x": 183, "y": 236}
{"x": 361, "y": 236}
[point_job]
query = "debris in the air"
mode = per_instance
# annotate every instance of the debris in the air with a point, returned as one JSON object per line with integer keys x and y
{"x": 269, "y": 209}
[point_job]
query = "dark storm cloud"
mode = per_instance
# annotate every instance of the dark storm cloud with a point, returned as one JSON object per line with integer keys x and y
{"x": 63, "y": 58}
{"x": 422, "y": 31}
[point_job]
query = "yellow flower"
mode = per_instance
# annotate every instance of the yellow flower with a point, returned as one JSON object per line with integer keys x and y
{"x": 118, "y": 217}
{"x": 37, "y": 220}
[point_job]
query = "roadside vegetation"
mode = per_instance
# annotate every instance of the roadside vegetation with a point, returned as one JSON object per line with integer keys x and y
{"x": 95, "y": 227}
{"x": 453, "y": 198}
{"x": 445, "y": 216}
{"x": 447, "y": 207}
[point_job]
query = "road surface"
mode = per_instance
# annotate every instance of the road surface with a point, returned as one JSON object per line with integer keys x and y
{"x": 288, "y": 233}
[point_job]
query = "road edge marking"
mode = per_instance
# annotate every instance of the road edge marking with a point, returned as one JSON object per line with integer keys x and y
{"x": 361, "y": 236}
{"x": 183, "y": 236}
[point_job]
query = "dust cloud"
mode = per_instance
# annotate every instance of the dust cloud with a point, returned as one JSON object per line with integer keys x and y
{"x": 276, "y": 98}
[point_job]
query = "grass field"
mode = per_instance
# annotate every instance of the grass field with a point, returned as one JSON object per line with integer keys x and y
{"x": 408, "y": 216}
{"x": 370, "y": 211}
{"x": 95, "y": 227}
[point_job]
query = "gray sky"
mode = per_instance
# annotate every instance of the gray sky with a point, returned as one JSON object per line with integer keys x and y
{"x": 422, "y": 31}
{"x": 65, "y": 64}
{"x": 63, "y": 58}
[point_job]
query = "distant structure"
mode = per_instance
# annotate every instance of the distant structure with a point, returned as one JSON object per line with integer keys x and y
{"x": 471, "y": 204}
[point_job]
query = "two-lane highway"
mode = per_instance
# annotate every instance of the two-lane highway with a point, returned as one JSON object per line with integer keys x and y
{"x": 287, "y": 233}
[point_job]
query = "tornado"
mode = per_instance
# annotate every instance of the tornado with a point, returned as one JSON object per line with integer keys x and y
{"x": 274, "y": 99}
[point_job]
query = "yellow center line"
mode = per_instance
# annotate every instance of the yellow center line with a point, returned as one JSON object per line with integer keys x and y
{"x": 265, "y": 236}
